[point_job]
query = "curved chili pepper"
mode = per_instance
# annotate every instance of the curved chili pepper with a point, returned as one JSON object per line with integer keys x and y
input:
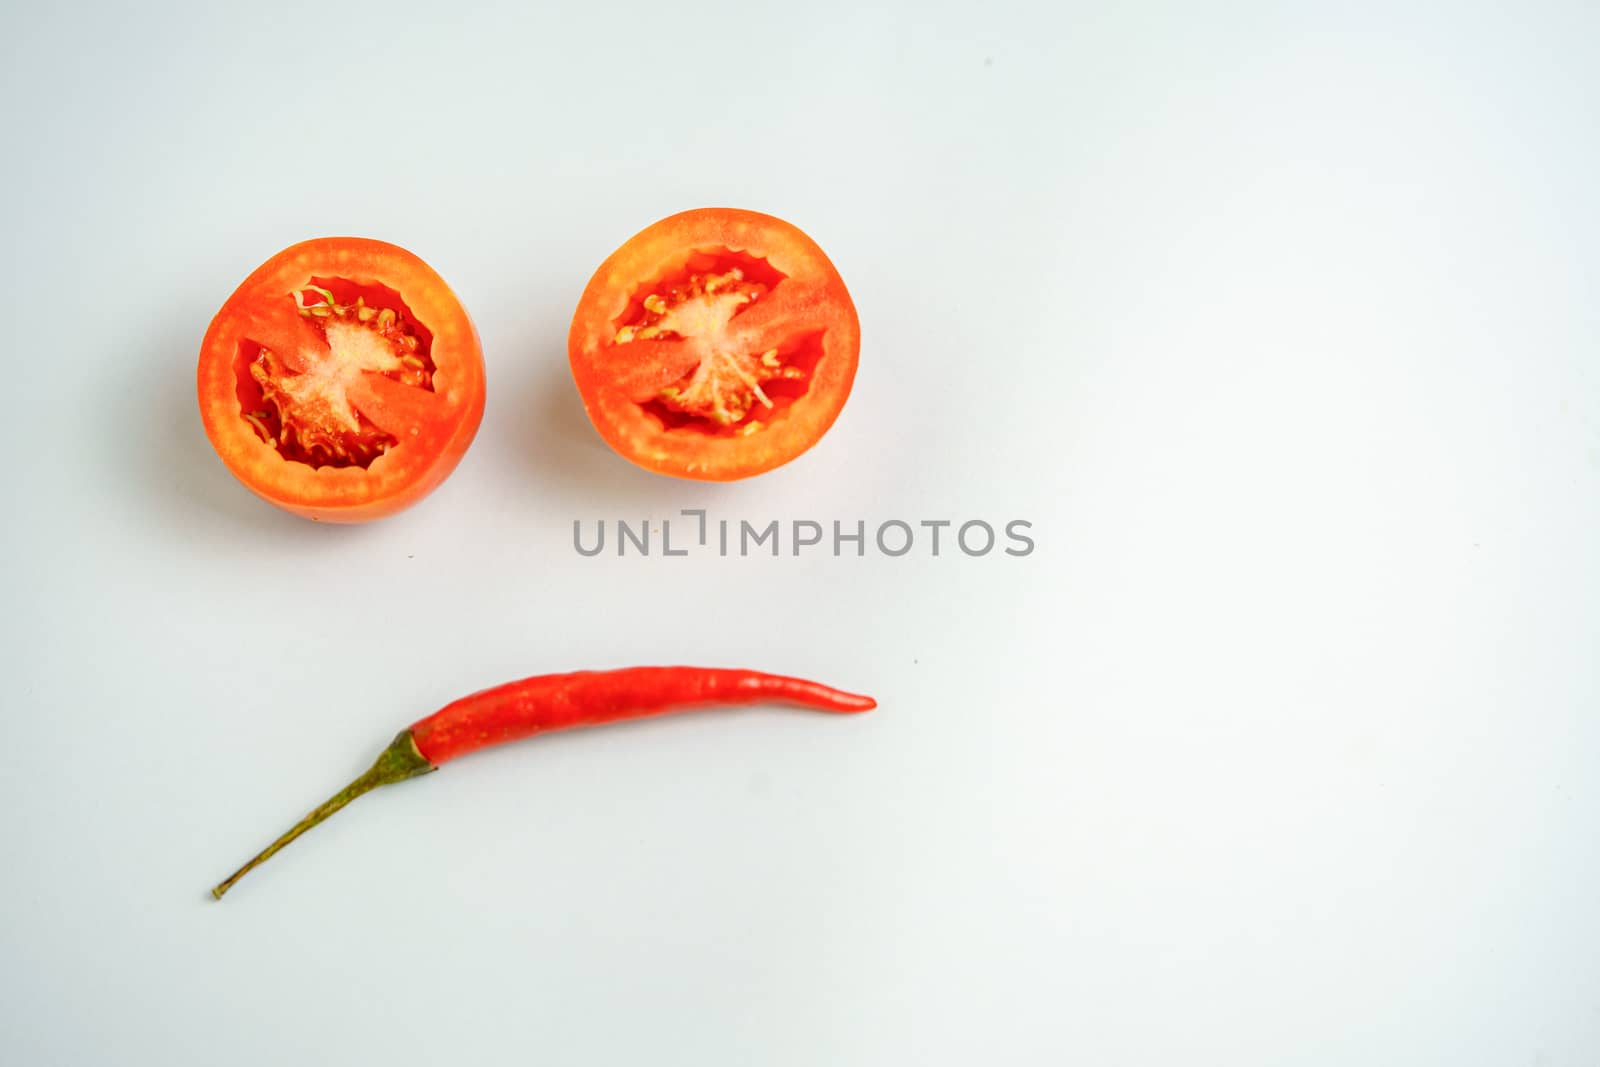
{"x": 550, "y": 702}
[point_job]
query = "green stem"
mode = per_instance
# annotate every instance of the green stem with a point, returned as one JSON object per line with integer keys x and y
{"x": 401, "y": 760}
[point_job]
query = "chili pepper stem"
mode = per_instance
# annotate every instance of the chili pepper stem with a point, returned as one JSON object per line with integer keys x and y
{"x": 401, "y": 760}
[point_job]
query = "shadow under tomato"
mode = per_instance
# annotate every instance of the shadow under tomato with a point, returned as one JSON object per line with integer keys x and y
{"x": 167, "y": 454}
{"x": 553, "y": 436}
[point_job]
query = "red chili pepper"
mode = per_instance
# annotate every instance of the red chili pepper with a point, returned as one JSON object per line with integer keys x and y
{"x": 560, "y": 702}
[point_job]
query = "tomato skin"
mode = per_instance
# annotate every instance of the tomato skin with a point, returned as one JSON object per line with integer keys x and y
{"x": 614, "y": 379}
{"x": 435, "y": 428}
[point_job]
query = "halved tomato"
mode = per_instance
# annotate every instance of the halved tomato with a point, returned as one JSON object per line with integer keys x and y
{"x": 715, "y": 344}
{"x": 342, "y": 381}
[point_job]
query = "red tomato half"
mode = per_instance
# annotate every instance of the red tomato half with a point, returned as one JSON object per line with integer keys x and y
{"x": 342, "y": 381}
{"x": 715, "y": 344}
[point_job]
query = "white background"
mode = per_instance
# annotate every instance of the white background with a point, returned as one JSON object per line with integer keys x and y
{"x": 1279, "y": 325}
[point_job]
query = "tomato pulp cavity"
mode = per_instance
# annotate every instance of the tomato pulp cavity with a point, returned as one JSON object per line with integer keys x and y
{"x": 715, "y": 344}
{"x": 342, "y": 381}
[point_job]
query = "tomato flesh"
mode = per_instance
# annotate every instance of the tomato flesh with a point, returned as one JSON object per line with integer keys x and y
{"x": 728, "y": 389}
{"x": 715, "y": 344}
{"x": 307, "y": 410}
{"x": 342, "y": 380}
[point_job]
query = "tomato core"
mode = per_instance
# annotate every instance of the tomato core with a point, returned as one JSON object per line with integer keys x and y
{"x": 299, "y": 401}
{"x": 732, "y": 388}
